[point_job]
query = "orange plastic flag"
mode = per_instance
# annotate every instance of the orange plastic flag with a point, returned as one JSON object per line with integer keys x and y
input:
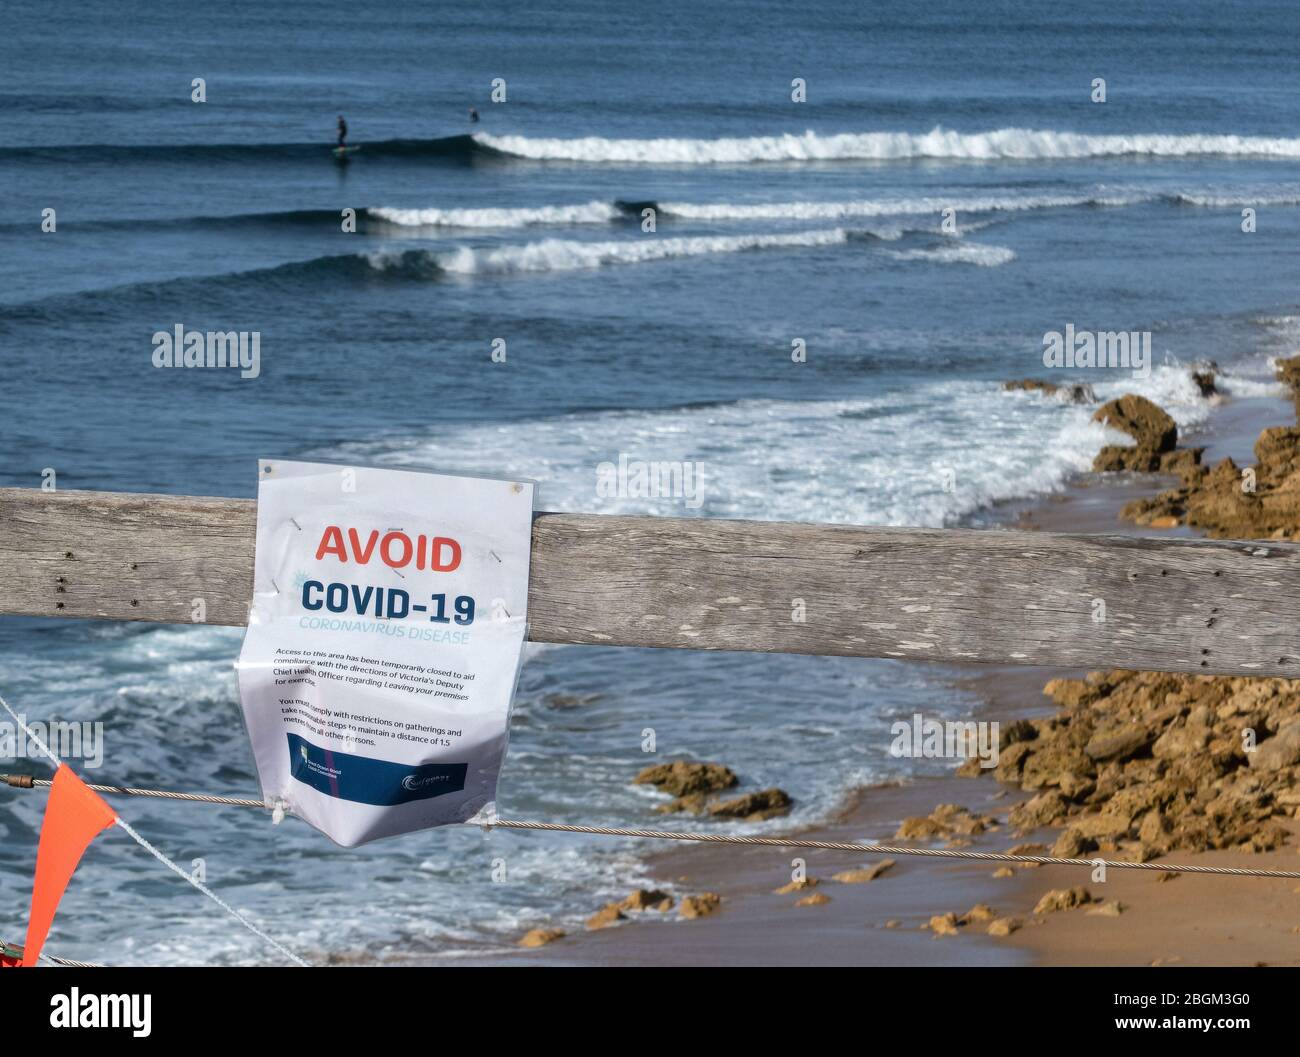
{"x": 74, "y": 816}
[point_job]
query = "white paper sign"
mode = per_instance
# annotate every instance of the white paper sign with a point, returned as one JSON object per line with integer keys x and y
{"x": 383, "y": 644}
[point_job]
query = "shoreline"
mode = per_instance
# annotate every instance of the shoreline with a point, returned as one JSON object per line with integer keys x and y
{"x": 885, "y": 921}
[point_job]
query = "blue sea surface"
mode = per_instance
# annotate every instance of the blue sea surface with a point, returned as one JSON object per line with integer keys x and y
{"x": 776, "y": 223}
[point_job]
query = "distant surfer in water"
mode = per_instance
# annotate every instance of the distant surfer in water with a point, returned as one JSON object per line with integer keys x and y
{"x": 343, "y": 132}
{"x": 473, "y": 116}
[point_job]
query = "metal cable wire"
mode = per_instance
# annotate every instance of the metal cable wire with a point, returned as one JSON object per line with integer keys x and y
{"x": 70, "y": 963}
{"x": 24, "y": 782}
{"x": 885, "y": 849}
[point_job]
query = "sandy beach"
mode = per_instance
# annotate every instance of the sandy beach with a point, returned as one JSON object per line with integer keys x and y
{"x": 1132, "y": 918}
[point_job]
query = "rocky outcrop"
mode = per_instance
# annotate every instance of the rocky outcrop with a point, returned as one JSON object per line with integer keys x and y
{"x": 946, "y": 820}
{"x": 862, "y": 876}
{"x": 1228, "y": 501}
{"x": 754, "y": 807}
{"x": 647, "y": 899}
{"x": 943, "y": 924}
{"x": 606, "y": 916}
{"x": 1063, "y": 899}
{"x": 1138, "y": 764}
{"x": 1154, "y": 432}
{"x": 541, "y": 937}
{"x": 694, "y": 786}
{"x": 699, "y": 906}
{"x": 682, "y": 777}
{"x": 751, "y": 807}
{"x": 1205, "y": 382}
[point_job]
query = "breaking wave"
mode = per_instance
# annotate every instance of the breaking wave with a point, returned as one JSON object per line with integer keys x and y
{"x": 1007, "y": 143}
{"x": 561, "y": 255}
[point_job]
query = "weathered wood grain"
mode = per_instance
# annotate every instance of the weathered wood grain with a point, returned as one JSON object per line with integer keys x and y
{"x": 939, "y": 595}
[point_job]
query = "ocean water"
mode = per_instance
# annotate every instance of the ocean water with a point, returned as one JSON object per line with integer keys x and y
{"x": 776, "y": 222}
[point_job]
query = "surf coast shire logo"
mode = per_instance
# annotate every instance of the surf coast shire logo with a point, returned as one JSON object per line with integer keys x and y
{"x": 413, "y": 783}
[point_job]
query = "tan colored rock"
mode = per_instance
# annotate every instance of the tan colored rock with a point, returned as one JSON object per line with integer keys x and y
{"x": 683, "y": 776}
{"x": 690, "y": 804}
{"x": 1112, "y": 908}
{"x": 541, "y": 937}
{"x": 1075, "y": 787}
{"x": 814, "y": 899}
{"x": 1153, "y": 828}
{"x": 1142, "y": 420}
{"x": 1281, "y": 750}
{"x": 1063, "y": 899}
{"x": 946, "y": 820}
{"x": 1042, "y": 810}
{"x": 1051, "y": 758}
{"x": 1004, "y": 871}
{"x": 1004, "y": 926}
{"x": 754, "y": 807}
{"x": 1072, "y": 845}
{"x": 1180, "y": 741}
{"x": 1183, "y": 462}
{"x": 647, "y": 899}
{"x": 861, "y": 876}
{"x": 1099, "y": 827}
{"x": 1119, "y": 742}
{"x": 699, "y": 906}
{"x": 943, "y": 924}
{"x": 916, "y": 828}
{"x": 606, "y": 916}
{"x": 1010, "y": 762}
{"x": 796, "y": 886}
{"x": 978, "y": 913}
{"x": 1116, "y": 458}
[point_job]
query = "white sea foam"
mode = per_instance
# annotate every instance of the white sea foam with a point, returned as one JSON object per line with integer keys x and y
{"x": 603, "y": 212}
{"x": 959, "y": 253}
{"x": 564, "y": 255}
{"x": 559, "y": 255}
{"x": 597, "y": 212}
{"x": 852, "y": 461}
{"x": 594, "y": 212}
{"x": 883, "y": 207}
{"x": 1238, "y": 198}
{"x": 1007, "y": 143}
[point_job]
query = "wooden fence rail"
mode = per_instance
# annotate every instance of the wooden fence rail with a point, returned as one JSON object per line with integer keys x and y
{"x": 1228, "y": 608}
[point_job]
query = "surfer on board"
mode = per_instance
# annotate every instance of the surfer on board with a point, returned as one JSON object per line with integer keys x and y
{"x": 343, "y": 132}
{"x": 473, "y": 116}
